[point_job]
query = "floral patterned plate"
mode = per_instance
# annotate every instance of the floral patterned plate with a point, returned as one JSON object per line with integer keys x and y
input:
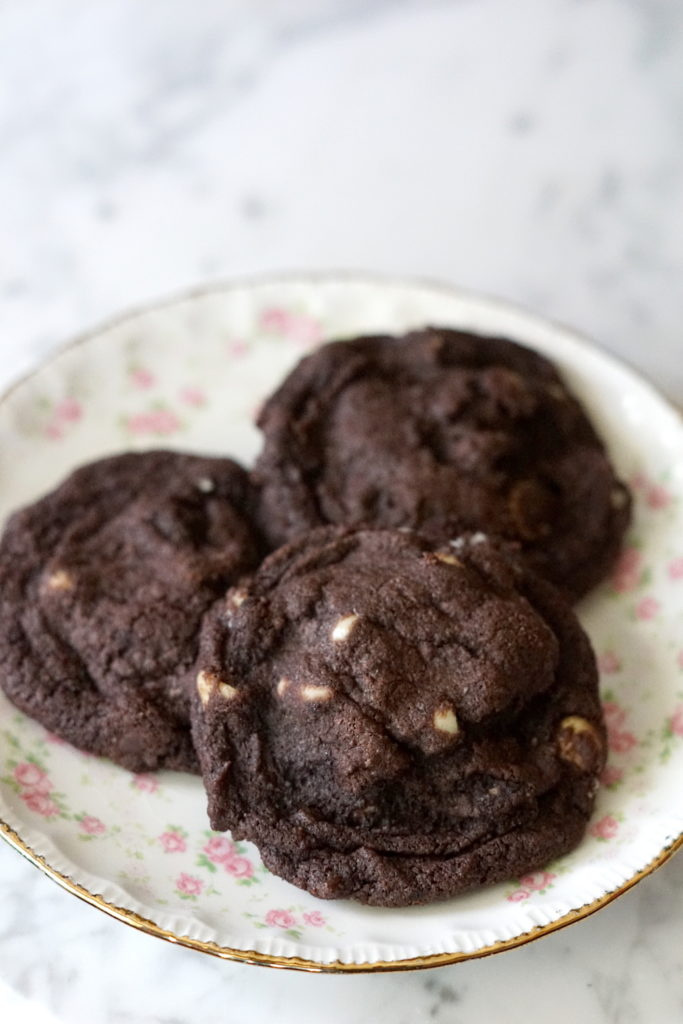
{"x": 190, "y": 373}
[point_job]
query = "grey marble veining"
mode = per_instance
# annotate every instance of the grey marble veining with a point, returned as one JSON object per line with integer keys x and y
{"x": 531, "y": 150}
{"x": 534, "y": 150}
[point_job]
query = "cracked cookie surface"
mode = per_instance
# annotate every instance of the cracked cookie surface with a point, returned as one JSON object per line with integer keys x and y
{"x": 442, "y": 431}
{"x": 103, "y": 584}
{"x": 395, "y": 722}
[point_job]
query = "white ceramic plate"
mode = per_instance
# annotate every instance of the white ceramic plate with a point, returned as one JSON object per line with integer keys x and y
{"x": 190, "y": 374}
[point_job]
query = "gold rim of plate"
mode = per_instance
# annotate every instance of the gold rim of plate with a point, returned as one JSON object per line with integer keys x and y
{"x": 250, "y": 956}
{"x": 295, "y": 963}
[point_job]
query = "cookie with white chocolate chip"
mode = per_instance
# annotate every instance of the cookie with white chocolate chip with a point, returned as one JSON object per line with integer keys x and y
{"x": 397, "y": 723}
{"x": 443, "y": 431}
{"x": 103, "y": 584}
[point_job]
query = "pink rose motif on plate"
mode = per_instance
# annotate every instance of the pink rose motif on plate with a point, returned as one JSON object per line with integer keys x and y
{"x": 41, "y": 803}
{"x": 275, "y": 319}
{"x": 33, "y": 782}
{"x": 679, "y": 659}
{"x": 314, "y": 918}
{"x": 238, "y": 867}
{"x": 676, "y": 568}
{"x": 172, "y": 842}
{"x": 219, "y": 848}
{"x": 69, "y": 410}
{"x": 142, "y": 378}
{"x": 188, "y": 885}
{"x": 657, "y": 497}
{"x": 306, "y": 330}
{"x": 30, "y": 775}
{"x": 619, "y": 739}
{"x": 647, "y": 608}
{"x": 627, "y": 571}
{"x": 92, "y": 826}
{"x": 677, "y": 721}
{"x": 280, "y": 919}
{"x": 622, "y": 742}
{"x": 611, "y": 776}
{"x": 65, "y": 412}
{"x": 605, "y": 829}
{"x": 193, "y": 396}
{"x": 298, "y": 326}
{"x": 608, "y": 663}
{"x": 237, "y": 347}
{"x": 518, "y": 895}
{"x": 537, "y": 881}
{"x": 145, "y": 783}
{"x": 159, "y": 422}
{"x": 615, "y": 716}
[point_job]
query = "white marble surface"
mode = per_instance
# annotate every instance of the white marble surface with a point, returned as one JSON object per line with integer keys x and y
{"x": 534, "y": 150}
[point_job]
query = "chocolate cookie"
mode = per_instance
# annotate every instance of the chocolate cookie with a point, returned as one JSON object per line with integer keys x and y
{"x": 102, "y": 587}
{"x": 444, "y": 432}
{"x": 397, "y": 724}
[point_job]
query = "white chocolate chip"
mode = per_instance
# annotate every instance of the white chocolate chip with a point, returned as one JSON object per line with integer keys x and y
{"x": 343, "y": 627}
{"x": 306, "y": 691}
{"x": 448, "y": 559}
{"x": 576, "y": 724}
{"x": 458, "y": 543}
{"x": 209, "y": 683}
{"x": 206, "y": 485}
{"x": 478, "y": 538}
{"x": 446, "y": 721}
{"x": 206, "y": 684}
{"x": 236, "y": 598}
{"x": 584, "y": 756}
{"x": 60, "y": 580}
{"x": 312, "y": 692}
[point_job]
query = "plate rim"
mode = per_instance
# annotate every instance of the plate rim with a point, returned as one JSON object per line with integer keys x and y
{"x": 253, "y": 957}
